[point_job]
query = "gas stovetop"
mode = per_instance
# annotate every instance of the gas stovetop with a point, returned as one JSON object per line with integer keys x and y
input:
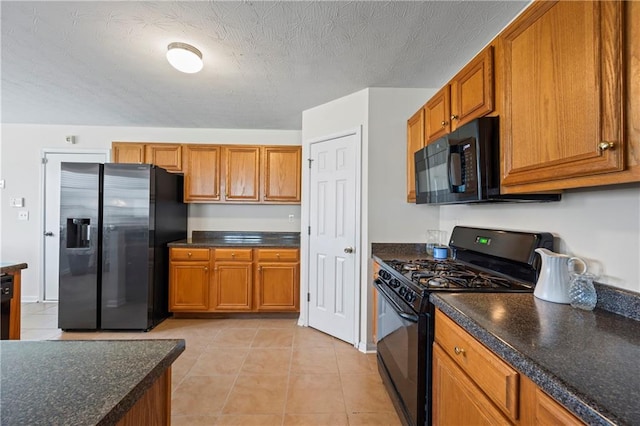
{"x": 431, "y": 274}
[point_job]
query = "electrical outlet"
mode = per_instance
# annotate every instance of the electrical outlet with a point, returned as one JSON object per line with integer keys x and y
{"x": 291, "y": 218}
{"x": 23, "y": 215}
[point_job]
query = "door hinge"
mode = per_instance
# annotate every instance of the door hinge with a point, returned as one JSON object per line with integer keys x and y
{"x": 310, "y": 160}
{"x": 44, "y": 160}
{"x": 308, "y": 297}
{"x": 309, "y": 230}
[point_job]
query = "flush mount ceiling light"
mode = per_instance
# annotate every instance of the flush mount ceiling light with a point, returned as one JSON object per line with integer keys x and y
{"x": 184, "y": 57}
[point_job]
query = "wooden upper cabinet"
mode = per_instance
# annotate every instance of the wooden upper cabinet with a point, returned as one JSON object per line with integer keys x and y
{"x": 563, "y": 82}
{"x": 167, "y": 156}
{"x": 415, "y": 141}
{"x": 242, "y": 173}
{"x": 202, "y": 173}
{"x": 127, "y": 152}
{"x": 436, "y": 111}
{"x": 472, "y": 90}
{"x": 282, "y": 173}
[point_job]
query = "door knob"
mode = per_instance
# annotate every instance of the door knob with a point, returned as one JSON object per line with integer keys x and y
{"x": 48, "y": 234}
{"x": 348, "y": 250}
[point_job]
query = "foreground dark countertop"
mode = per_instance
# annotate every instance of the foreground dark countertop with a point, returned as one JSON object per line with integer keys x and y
{"x": 79, "y": 382}
{"x": 206, "y": 239}
{"x": 588, "y": 361}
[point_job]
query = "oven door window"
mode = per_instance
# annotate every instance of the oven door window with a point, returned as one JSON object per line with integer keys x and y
{"x": 398, "y": 340}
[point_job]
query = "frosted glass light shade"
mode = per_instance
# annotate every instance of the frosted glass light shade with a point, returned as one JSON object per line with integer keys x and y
{"x": 184, "y": 57}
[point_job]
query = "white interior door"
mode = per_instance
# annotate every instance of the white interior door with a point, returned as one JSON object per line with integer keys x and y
{"x": 333, "y": 285}
{"x": 51, "y": 209}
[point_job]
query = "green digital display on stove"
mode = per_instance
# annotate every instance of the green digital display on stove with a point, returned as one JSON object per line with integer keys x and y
{"x": 483, "y": 240}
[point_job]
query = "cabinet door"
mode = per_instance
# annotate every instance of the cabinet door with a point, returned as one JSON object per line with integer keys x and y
{"x": 126, "y": 152}
{"x": 456, "y": 399}
{"x": 282, "y": 173}
{"x": 563, "y": 92}
{"x": 472, "y": 90}
{"x": 201, "y": 173}
{"x": 242, "y": 173}
{"x": 437, "y": 115}
{"x": 167, "y": 156}
{"x": 415, "y": 141}
{"x": 232, "y": 286}
{"x": 188, "y": 286}
{"x": 277, "y": 287}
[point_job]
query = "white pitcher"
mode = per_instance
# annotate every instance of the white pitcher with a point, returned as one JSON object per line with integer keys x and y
{"x": 553, "y": 282}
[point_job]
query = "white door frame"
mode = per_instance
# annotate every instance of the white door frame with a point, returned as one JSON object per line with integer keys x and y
{"x": 43, "y": 182}
{"x": 304, "y": 240}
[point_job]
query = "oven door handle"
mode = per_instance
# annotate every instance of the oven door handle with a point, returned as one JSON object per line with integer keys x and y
{"x": 397, "y": 308}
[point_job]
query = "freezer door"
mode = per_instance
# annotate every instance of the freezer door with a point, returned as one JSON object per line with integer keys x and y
{"x": 79, "y": 245}
{"x": 126, "y": 255}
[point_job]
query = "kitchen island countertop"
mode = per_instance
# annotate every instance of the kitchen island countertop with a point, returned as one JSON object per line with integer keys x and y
{"x": 587, "y": 360}
{"x": 79, "y": 382}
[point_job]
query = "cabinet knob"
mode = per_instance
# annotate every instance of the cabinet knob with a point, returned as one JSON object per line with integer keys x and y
{"x": 454, "y": 117}
{"x": 206, "y": 269}
{"x": 189, "y": 254}
{"x": 458, "y": 350}
{"x": 444, "y": 123}
{"x": 277, "y": 254}
{"x": 233, "y": 255}
{"x": 259, "y": 269}
{"x": 605, "y": 145}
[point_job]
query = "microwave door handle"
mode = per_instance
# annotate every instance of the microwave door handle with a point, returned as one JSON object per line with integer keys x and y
{"x": 454, "y": 171}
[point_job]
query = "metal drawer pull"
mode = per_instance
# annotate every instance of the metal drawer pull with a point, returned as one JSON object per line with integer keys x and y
{"x": 458, "y": 350}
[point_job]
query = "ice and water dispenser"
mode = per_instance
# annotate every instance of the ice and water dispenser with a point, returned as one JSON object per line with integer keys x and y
{"x": 78, "y": 232}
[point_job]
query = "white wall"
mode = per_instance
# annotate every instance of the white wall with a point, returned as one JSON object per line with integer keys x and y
{"x": 600, "y": 225}
{"x": 20, "y": 152}
{"x": 385, "y": 215}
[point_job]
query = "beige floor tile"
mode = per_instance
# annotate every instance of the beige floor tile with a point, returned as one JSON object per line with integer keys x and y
{"x": 219, "y": 361}
{"x": 310, "y": 338}
{"x": 201, "y": 395}
{"x": 365, "y": 393}
{"x": 194, "y": 420}
{"x": 181, "y": 367}
{"x": 273, "y": 338}
{"x": 240, "y": 322}
{"x": 238, "y": 337}
{"x": 267, "y": 361}
{"x": 250, "y": 420}
{"x": 40, "y": 334}
{"x": 316, "y": 419}
{"x": 352, "y": 361}
{"x": 314, "y": 361}
{"x": 279, "y": 323}
{"x": 387, "y": 418}
{"x": 257, "y": 394}
{"x": 39, "y": 320}
{"x": 315, "y": 393}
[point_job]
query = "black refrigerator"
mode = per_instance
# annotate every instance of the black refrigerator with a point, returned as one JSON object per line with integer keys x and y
{"x": 115, "y": 223}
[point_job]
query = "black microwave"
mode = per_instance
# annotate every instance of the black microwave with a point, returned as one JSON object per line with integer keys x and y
{"x": 464, "y": 167}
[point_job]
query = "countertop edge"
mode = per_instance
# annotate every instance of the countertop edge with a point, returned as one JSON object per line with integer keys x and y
{"x": 548, "y": 382}
{"x": 123, "y": 407}
{"x": 12, "y": 267}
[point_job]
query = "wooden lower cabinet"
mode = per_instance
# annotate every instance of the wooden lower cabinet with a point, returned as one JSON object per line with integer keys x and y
{"x": 243, "y": 280}
{"x": 277, "y": 280}
{"x": 189, "y": 280}
{"x": 472, "y": 385}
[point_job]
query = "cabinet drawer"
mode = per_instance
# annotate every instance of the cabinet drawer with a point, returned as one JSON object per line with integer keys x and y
{"x": 189, "y": 254}
{"x": 233, "y": 254}
{"x": 496, "y": 378}
{"x": 276, "y": 255}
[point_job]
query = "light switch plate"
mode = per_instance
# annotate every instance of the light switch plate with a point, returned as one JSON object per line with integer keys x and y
{"x": 23, "y": 215}
{"x": 16, "y": 202}
{"x": 291, "y": 218}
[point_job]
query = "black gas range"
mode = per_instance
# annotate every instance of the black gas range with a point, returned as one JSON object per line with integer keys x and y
{"x": 482, "y": 260}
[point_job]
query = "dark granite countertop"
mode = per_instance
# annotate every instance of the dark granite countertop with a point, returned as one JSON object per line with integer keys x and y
{"x": 398, "y": 251}
{"x": 79, "y": 382}
{"x": 206, "y": 239}
{"x": 11, "y": 267}
{"x": 587, "y": 360}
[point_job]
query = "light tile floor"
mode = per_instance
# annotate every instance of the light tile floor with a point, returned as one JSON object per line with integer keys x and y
{"x": 253, "y": 371}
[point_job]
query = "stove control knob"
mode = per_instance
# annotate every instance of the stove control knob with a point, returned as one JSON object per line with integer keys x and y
{"x": 410, "y": 297}
{"x": 394, "y": 283}
{"x": 384, "y": 274}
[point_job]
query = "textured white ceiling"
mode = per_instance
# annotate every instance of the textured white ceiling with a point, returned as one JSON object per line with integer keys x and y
{"x": 103, "y": 63}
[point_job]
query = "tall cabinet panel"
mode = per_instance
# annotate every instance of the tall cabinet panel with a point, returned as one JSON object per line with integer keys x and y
{"x": 242, "y": 173}
{"x": 202, "y": 173}
{"x": 415, "y": 141}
